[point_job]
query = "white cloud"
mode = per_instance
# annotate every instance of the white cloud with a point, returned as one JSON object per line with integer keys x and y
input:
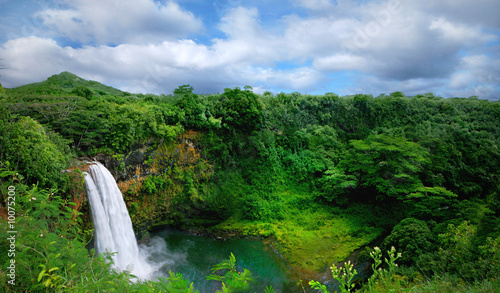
{"x": 247, "y": 42}
{"x": 30, "y": 59}
{"x": 115, "y": 22}
{"x": 340, "y": 62}
{"x": 315, "y": 37}
{"x": 317, "y": 5}
{"x": 460, "y": 80}
{"x": 412, "y": 46}
{"x": 478, "y": 75}
{"x": 241, "y": 22}
{"x": 376, "y": 85}
{"x": 460, "y": 33}
{"x": 157, "y": 68}
{"x": 299, "y": 79}
{"x": 479, "y": 12}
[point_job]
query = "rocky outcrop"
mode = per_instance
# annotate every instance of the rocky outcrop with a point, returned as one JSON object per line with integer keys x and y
{"x": 159, "y": 182}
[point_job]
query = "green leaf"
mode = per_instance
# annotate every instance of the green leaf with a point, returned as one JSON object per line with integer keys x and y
{"x": 232, "y": 259}
{"x": 41, "y": 275}
{"x": 7, "y": 173}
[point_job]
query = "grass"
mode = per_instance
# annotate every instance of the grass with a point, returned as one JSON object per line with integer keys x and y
{"x": 443, "y": 283}
{"x": 311, "y": 236}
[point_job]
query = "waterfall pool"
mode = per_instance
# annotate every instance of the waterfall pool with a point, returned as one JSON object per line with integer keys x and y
{"x": 194, "y": 256}
{"x": 170, "y": 250}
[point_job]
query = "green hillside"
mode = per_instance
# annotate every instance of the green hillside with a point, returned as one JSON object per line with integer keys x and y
{"x": 65, "y": 83}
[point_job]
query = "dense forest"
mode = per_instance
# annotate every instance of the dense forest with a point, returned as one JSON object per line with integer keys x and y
{"x": 412, "y": 182}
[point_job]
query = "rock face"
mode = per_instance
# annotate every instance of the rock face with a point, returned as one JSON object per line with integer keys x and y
{"x": 160, "y": 182}
{"x": 125, "y": 167}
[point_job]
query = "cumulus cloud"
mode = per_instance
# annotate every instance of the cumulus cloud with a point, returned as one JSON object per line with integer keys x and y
{"x": 460, "y": 33}
{"x": 478, "y": 75}
{"x": 115, "y": 22}
{"x": 31, "y": 59}
{"x": 393, "y": 40}
{"x": 156, "y": 68}
{"x": 385, "y": 46}
{"x": 316, "y": 5}
{"x": 339, "y": 62}
{"x": 480, "y": 12}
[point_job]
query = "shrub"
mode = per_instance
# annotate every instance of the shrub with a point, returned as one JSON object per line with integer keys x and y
{"x": 412, "y": 237}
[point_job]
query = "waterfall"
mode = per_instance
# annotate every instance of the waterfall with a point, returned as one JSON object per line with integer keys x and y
{"x": 113, "y": 227}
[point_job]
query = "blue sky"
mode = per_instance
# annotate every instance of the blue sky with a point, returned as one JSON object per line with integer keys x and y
{"x": 449, "y": 47}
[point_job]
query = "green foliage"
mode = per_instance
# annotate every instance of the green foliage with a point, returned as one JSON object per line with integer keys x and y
{"x": 174, "y": 283}
{"x": 460, "y": 255}
{"x": 62, "y": 84}
{"x": 195, "y": 112}
{"x": 50, "y": 278}
{"x": 239, "y": 110}
{"x": 389, "y": 165}
{"x": 472, "y": 273}
{"x": 336, "y": 185}
{"x": 108, "y": 124}
{"x": 183, "y": 90}
{"x": 82, "y": 91}
{"x": 48, "y": 243}
{"x": 318, "y": 286}
{"x": 294, "y": 166}
{"x": 344, "y": 276}
{"x": 411, "y": 236}
{"x": 32, "y": 151}
{"x": 232, "y": 280}
{"x": 2, "y": 90}
{"x": 311, "y": 235}
{"x": 152, "y": 184}
{"x": 384, "y": 279}
{"x": 51, "y": 255}
{"x": 425, "y": 201}
{"x": 262, "y": 207}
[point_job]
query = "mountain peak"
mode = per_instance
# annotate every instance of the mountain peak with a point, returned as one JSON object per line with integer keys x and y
{"x": 65, "y": 79}
{"x": 65, "y": 82}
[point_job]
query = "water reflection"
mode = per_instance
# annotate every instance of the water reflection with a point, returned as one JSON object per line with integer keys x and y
{"x": 194, "y": 256}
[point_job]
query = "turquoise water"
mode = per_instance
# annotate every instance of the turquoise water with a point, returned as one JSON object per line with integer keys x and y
{"x": 194, "y": 256}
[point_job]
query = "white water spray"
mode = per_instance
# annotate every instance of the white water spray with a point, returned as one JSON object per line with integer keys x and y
{"x": 113, "y": 227}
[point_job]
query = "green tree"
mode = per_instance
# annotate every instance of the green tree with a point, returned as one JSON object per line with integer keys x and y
{"x": 82, "y": 91}
{"x": 183, "y": 90}
{"x": 29, "y": 149}
{"x": 412, "y": 237}
{"x": 389, "y": 165}
{"x": 193, "y": 108}
{"x": 240, "y": 110}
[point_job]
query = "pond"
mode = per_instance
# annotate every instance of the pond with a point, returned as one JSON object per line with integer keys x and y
{"x": 194, "y": 256}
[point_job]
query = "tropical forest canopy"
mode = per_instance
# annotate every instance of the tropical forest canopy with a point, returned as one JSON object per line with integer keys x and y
{"x": 420, "y": 173}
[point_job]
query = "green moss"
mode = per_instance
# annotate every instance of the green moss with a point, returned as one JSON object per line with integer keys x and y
{"x": 313, "y": 236}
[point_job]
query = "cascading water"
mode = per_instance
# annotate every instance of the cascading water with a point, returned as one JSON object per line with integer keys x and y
{"x": 113, "y": 227}
{"x": 114, "y": 233}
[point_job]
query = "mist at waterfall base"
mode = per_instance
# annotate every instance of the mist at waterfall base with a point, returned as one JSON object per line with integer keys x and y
{"x": 193, "y": 256}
